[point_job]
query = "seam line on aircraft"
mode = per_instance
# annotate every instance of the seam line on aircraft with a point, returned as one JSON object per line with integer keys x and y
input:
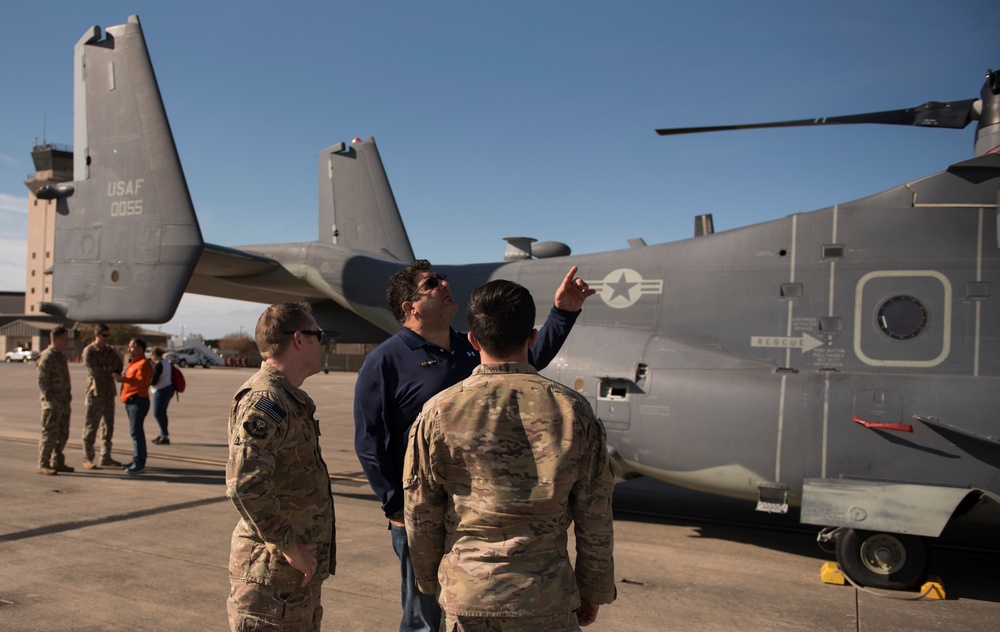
{"x": 833, "y": 263}
{"x": 781, "y": 426}
{"x": 826, "y": 423}
{"x": 979, "y": 277}
{"x": 954, "y": 206}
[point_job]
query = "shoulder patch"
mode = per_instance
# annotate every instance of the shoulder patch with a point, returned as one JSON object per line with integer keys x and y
{"x": 270, "y": 409}
{"x": 256, "y": 428}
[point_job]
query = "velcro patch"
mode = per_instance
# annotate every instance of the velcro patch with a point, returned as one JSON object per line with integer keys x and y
{"x": 270, "y": 409}
{"x": 256, "y": 428}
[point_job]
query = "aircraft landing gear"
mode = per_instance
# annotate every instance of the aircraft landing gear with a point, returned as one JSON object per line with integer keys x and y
{"x": 882, "y": 560}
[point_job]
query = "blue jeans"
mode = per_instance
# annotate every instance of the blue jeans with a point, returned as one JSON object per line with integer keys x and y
{"x": 160, "y": 400}
{"x": 421, "y": 613}
{"x": 137, "y": 407}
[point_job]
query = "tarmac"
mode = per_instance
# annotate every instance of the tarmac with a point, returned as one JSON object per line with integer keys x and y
{"x": 100, "y": 550}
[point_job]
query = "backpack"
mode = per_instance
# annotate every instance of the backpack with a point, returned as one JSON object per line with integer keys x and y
{"x": 177, "y": 379}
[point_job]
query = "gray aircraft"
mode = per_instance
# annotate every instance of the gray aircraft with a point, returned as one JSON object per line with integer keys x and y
{"x": 845, "y": 360}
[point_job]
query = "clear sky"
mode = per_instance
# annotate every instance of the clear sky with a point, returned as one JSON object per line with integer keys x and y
{"x": 509, "y": 118}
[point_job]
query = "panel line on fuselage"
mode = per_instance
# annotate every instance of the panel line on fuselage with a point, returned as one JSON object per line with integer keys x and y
{"x": 788, "y": 353}
{"x": 979, "y": 304}
{"x": 826, "y": 377}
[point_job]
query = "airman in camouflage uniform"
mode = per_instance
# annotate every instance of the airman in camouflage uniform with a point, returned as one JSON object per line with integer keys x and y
{"x": 53, "y": 382}
{"x": 102, "y": 363}
{"x": 283, "y": 547}
{"x": 497, "y": 468}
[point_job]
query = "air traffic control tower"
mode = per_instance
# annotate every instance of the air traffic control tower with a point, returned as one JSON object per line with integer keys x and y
{"x": 53, "y": 164}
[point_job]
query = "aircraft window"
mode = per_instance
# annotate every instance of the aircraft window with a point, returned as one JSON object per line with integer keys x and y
{"x": 902, "y": 317}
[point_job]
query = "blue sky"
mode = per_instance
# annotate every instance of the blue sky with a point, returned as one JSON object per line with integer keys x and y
{"x": 494, "y": 119}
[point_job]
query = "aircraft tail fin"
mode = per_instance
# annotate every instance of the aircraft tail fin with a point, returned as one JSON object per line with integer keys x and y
{"x": 356, "y": 205}
{"x": 126, "y": 235}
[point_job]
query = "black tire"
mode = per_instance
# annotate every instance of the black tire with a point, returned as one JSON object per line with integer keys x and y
{"x": 882, "y": 560}
{"x": 7, "y": 360}
{"x": 182, "y": 363}
{"x": 25, "y": 359}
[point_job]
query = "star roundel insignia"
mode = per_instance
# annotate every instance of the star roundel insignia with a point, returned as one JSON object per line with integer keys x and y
{"x": 621, "y": 288}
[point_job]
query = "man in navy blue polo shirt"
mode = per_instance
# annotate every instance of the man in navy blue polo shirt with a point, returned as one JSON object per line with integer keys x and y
{"x": 424, "y": 357}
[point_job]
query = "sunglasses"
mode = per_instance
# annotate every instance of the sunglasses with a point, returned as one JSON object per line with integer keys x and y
{"x": 429, "y": 284}
{"x": 318, "y": 333}
{"x": 104, "y": 335}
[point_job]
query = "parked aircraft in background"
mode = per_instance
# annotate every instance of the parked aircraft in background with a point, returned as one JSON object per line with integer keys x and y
{"x": 846, "y": 360}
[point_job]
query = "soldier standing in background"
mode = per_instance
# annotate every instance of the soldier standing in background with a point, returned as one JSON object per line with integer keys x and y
{"x": 102, "y": 362}
{"x": 53, "y": 382}
{"x": 497, "y": 468}
{"x": 283, "y": 546}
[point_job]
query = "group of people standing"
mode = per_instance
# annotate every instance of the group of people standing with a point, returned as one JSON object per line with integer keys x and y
{"x": 481, "y": 466}
{"x": 138, "y": 378}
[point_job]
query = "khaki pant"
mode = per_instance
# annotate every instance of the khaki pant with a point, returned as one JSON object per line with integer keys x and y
{"x": 96, "y": 407}
{"x": 55, "y": 433}
{"x": 261, "y": 608}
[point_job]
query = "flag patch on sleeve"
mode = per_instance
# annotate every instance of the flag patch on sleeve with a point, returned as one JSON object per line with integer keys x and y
{"x": 270, "y": 409}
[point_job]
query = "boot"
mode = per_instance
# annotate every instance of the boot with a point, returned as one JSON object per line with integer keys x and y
{"x": 45, "y": 469}
{"x": 58, "y": 463}
{"x": 107, "y": 461}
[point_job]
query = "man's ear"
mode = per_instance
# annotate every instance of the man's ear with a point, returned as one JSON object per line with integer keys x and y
{"x": 475, "y": 343}
{"x": 532, "y": 337}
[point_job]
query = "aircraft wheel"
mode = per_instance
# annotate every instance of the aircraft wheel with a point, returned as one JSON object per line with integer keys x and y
{"x": 882, "y": 560}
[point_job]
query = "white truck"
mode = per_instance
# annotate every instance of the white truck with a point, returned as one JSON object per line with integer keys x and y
{"x": 191, "y": 351}
{"x": 21, "y": 354}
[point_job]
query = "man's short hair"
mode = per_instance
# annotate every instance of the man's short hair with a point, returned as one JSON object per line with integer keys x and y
{"x": 99, "y": 327}
{"x": 501, "y": 316}
{"x": 402, "y": 285}
{"x": 157, "y": 351}
{"x": 139, "y": 342}
{"x": 275, "y": 321}
{"x": 57, "y": 332}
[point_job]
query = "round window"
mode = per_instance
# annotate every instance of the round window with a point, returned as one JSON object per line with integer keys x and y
{"x": 902, "y": 317}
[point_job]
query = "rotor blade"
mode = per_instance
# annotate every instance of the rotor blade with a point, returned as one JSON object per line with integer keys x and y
{"x": 954, "y": 115}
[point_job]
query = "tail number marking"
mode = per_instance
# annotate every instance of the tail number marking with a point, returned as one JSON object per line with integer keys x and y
{"x": 125, "y": 188}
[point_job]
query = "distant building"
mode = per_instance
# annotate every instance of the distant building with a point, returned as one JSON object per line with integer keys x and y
{"x": 53, "y": 164}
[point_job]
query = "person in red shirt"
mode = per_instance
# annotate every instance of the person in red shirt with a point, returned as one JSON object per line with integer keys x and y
{"x": 135, "y": 393}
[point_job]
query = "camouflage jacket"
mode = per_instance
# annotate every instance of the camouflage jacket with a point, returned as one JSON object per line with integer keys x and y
{"x": 101, "y": 363}
{"x": 53, "y": 377}
{"x": 278, "y": 481}
{"x": 497, "y": 467}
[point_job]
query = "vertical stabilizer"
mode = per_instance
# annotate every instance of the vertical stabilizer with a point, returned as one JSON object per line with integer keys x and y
{"x": 126, "y": 235}
{"x": 356, "y": 205}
